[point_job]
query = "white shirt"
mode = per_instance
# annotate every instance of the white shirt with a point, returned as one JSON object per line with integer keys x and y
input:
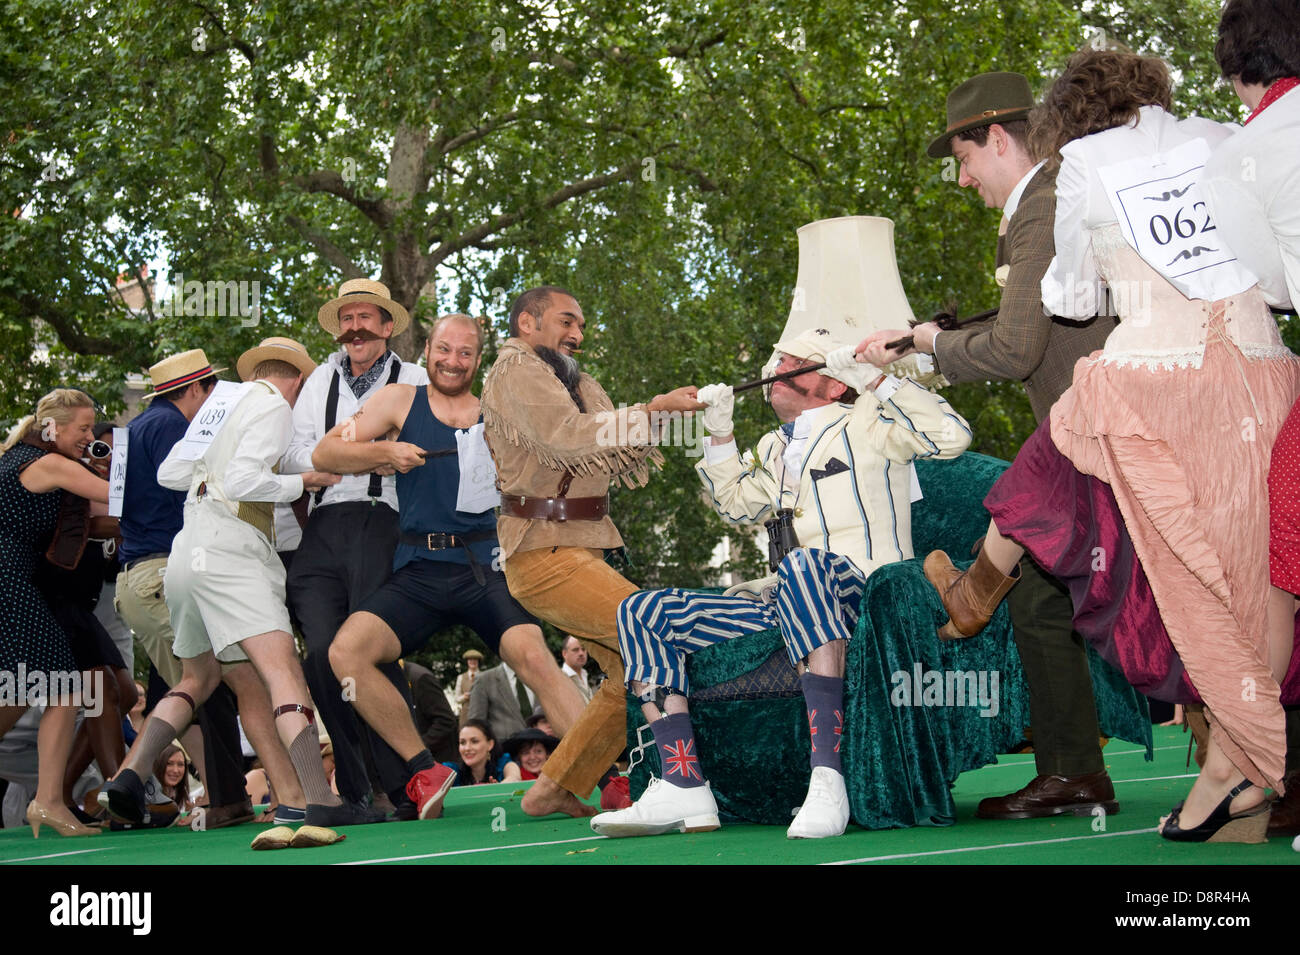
{"x": 309, "y": 426}
{"x": 1082, "y": 203}
{"x": 237, "y": 466}
{"x": 514, "y": 685}
{"x": 1252, "y": 184}
{"x": 1013, "y": 201}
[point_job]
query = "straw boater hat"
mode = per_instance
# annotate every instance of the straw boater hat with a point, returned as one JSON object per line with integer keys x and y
{"x": 361, "y": 290}
{"x": 281, "y": 349}
{"x": 177, "y": 371}
{"x": 471, "y": 655}
{"x": 980, "y": 101}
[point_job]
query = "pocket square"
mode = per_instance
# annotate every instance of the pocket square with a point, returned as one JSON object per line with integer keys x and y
{"x": 833, "y": 466}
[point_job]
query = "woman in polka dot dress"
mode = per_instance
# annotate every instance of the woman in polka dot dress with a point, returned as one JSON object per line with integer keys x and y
{"x": 40, "y": 463}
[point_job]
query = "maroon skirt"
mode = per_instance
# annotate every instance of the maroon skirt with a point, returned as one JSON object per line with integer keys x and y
{"x": 1071, "y": 525}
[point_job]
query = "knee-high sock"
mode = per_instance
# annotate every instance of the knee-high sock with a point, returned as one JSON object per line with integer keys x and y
{"x": 304, "y": 752}
{"x": 824, "y": 697}
{"x": 154, "y": 738}
{"x": 676, "y": 742}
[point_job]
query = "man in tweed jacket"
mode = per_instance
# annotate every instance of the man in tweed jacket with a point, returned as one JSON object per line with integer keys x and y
{"x": 986, "y": 134}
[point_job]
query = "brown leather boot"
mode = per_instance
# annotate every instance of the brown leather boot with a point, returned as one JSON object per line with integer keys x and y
{"x": 970, "y": 597}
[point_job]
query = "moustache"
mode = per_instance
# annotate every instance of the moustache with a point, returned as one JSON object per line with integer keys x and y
{"x": 356, "y": 335}
{"x": 798, "y": 389}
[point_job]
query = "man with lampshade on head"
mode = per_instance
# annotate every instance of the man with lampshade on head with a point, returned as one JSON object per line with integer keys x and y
{"x": 833, "y": 484}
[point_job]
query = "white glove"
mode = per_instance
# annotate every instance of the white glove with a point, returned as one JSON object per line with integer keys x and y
{"x": 843, "y": 365}
{"x": 721, "y": 402}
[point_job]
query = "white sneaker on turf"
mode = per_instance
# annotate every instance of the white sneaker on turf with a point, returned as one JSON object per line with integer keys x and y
{"x": 825, "y": 810}
{"x": 662, "y": 808}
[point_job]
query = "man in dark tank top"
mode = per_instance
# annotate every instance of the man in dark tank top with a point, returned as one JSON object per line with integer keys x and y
{"x": 447, "y": 568}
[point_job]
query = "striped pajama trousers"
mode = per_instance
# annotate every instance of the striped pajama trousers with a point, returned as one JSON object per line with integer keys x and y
{"x": 817, "y": 598}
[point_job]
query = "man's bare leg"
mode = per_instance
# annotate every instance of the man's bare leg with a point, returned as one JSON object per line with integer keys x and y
{"x": 276, "y": 659}
{"x": 524, "y": 649}
{"x": 199, "y": 677}
{"x": 255, "y": 715}
{"x": 363, "y": 643}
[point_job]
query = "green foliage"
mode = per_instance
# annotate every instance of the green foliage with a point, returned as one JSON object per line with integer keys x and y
{"x": 656, "y": 158}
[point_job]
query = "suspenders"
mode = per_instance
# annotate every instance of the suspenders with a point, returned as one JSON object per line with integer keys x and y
{"x": 331, "y": 414}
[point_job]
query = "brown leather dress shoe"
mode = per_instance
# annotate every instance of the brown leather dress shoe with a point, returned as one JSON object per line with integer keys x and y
{"x": 1285, "y": 820}
{"x": 1053, "y": 796}
{"x": 232, "y": 814}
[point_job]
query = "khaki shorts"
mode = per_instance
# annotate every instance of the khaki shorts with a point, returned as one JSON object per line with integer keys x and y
{"x": 142, "y": 605}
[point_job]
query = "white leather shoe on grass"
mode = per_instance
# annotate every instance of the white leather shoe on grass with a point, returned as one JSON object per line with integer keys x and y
{"x": 662, "y": 808}
{"x": 825, "y": 810}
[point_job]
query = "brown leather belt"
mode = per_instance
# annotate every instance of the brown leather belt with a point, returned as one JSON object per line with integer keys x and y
{"x": 555, "y": 508}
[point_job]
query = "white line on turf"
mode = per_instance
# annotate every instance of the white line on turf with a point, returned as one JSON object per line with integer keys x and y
{"x": 462, "y": 852}
{"x": 1153, "y": 779}
{"x": 1002, "y": 845}
{"x": 55, "y": 855}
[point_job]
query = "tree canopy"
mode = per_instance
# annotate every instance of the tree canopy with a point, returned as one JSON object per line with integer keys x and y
{"x": 656, "y": 158}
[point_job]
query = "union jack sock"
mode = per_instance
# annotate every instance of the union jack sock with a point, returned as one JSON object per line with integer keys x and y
{"x": 824, "y": 697}
{"x": 676, "y": 742}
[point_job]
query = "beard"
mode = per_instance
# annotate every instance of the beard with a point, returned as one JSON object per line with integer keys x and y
{"x": 451, "y": 390}
{"x": 566, "y": 369}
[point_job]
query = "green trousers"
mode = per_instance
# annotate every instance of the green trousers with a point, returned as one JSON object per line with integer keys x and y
{"x": 1062, "y": 708}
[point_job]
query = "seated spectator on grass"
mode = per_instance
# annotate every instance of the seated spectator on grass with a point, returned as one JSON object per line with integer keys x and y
{"x": 530, "y": 750}
{"x": 481, "y": 760}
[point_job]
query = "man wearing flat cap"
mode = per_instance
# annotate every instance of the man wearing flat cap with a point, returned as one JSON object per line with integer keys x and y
{"x": 837, "y": 469}
{"x": 347, "y": 547}
{"x": 226, "y": 586}
{"x": 986, "y": 133}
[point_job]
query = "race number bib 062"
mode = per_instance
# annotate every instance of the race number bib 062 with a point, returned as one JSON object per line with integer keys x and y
{"x": 1162, "y": 215}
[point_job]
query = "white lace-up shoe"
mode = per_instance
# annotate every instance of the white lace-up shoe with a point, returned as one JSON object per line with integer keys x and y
{"x": 662, "y": 808}
{"x": 825, "y": 810}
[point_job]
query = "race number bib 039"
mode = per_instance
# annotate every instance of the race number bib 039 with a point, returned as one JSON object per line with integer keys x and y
{"x": 212, "y": 417}
{"x": 1162, "y": 215}
{"x": 117, "y": 471}
{"x": 478, "y": 474}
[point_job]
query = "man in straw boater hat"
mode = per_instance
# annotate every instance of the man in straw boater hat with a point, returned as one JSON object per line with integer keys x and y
{"x": 558, "y": 442}
{"x": 226, "y": 585}
{"x": 446, "y": 566}
{"x": 987, "y": 134}
{"x": 347, "y": 546}
{"x": 152, "y": 516}
{"x": 837, "y": 471}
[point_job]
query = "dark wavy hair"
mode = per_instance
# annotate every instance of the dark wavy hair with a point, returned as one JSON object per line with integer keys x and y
{"x": 1259, "y": 40}
{"x": 1099, "y": 90}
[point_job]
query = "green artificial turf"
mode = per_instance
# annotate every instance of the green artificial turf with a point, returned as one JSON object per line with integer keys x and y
{"x": 485, "y": 826}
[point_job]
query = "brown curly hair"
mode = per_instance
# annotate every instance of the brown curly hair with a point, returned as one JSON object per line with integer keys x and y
{"x": 1099, "y": 90}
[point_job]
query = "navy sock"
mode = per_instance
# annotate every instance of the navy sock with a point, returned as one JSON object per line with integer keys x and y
{"x": 420, "y": 761}
{"x": 676, "y": 742}
{"x": 824, "y": 697}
